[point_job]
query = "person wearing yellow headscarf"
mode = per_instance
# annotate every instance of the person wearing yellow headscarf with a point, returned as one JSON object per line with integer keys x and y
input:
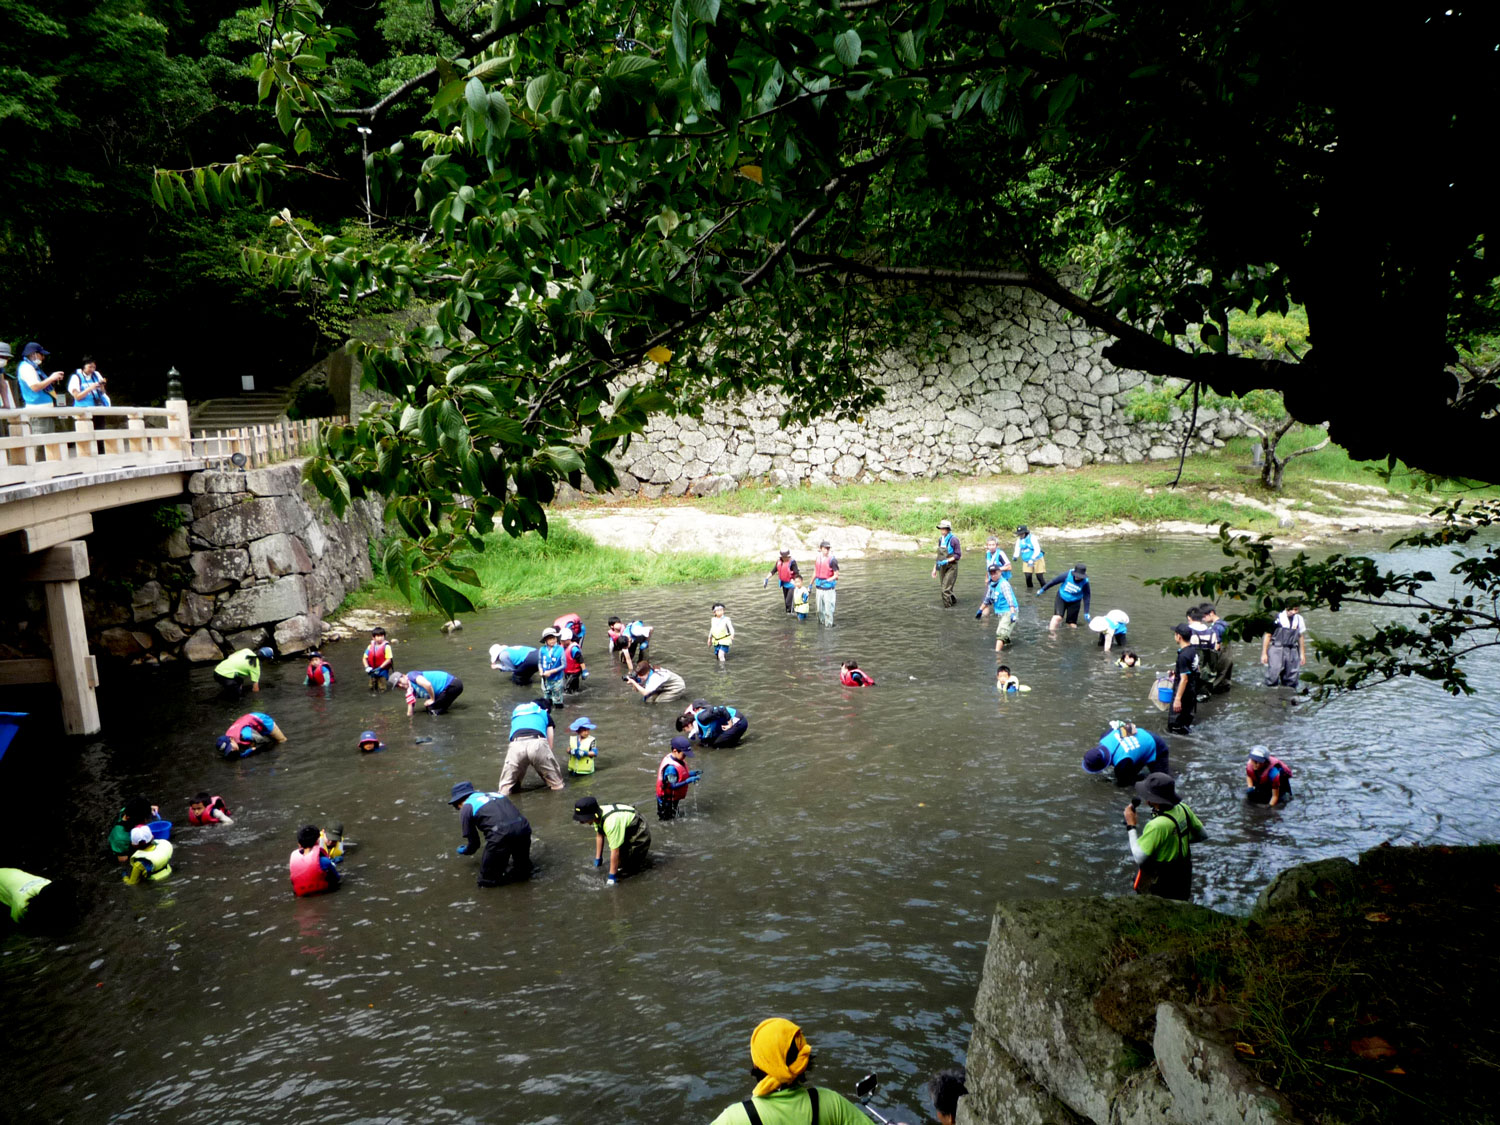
{"x": 780, "y": 1057}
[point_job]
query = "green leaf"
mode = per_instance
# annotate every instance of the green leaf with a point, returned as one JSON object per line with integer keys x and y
{"x": 537, "y": 90}
{"x": 302, "y": 141}
{"x": 477, "y": 97}
{"x": 490, "y": 66}
{"x": 1039, "y": 35}
{"x": 705, "y": 11}
{"x": 846, "y": 47}
{"x": 680, "y": 34}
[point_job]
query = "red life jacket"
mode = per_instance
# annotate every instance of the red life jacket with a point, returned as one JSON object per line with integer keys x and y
{"x": 207, "y": 816}
{"x": 569, "y": 621}
{"x": 1262, "y": 776}
{"x": 665, "y": 790}
{"x": 846, "y": 677}
{"x": 239, "y": 724}
{"x": 308, "y": 876}
{"x": 378, "y": 655}
{"x": 320, "y": 674}
{"x": 784, "y": 570}
{"x": 823, "y": 568}
{"x": 572, "y": 662}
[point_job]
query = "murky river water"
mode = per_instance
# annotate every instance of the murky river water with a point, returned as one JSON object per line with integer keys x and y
{"x": 840, "y": 867}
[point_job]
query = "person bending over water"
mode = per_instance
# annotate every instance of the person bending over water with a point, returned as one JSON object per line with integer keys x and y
{"x": 1073, "y": 592}
{"x": 507, "y": 834}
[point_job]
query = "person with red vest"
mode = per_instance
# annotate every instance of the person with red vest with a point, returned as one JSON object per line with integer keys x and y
{"x": 851, "y": 675}
{"x": 249, "y": 733}
{"x": 575, "y": 670}
{"x": 825, "y": 581}
{"x": 204, "y": 809}
{"x": 785, "y": 571}
{"x": 673, "y": 778}
{"x": 571, "y": 622}
{"x": 379, "y": 660}
{"x": 319, "y": 671}
{"x": 1268, "y": 780}
{"x": 312, "y": 871}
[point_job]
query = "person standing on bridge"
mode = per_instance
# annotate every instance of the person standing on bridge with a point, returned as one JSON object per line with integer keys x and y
{"x": 86, "y": 385}
{"x": 240, "y": 668}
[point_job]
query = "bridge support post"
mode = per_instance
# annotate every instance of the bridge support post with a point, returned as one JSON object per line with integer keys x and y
{"x": 59, "y": 571}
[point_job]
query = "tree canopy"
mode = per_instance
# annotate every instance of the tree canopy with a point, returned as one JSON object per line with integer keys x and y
{"x": 747, "y": 194}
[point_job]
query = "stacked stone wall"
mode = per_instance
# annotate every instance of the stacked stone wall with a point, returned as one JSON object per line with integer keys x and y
{"x": 1016, "y": 386}
{"x": 258, "y": 560}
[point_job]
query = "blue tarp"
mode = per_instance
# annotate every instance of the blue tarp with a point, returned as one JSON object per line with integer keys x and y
{"x": 10, "y": 722}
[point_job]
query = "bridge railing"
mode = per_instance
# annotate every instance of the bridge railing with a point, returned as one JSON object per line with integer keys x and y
{"x": 42, "y": 443}
{"x": 261, "y": 445}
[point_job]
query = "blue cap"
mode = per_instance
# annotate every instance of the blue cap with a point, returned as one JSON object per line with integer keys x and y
{"x": 460, "y": 791}
{"x": 33, "y": 346}
{"x": 1095, "y": 760}
{"x": 225, "y": 744}
{"x": 583, "y": 722}
{"x": 369, "y": 736}
{"x": 680, "y": 743}
{"x": 267, "y": 653}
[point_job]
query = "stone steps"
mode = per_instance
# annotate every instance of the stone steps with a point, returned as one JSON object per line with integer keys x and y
{"x": 253, "y": 408}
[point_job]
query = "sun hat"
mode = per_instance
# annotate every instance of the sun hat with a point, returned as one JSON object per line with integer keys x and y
{"x": 460, "y": 791}
{"x": 1158, "y": 788}
{"x": 583, "y": 722}
{"x": 140, "y": 834}
{"x": 944, "y": 525}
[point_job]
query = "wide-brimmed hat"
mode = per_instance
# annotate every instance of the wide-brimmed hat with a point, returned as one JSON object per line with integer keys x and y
{"x": 5, "y": 352}
{"x": 1118, "y": 615}
{"x": 583, "y": 722}
{"x": 944, "y": 525}
{"x": 1100, "y": 624}
{"x": 586, "y": 810}
{"x": 1158, "y": 789}
{"x": 460, "y": 791}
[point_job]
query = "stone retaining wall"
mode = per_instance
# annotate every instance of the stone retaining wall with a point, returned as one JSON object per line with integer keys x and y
{"x": 258, "y": 560}
{"x": 1018, "y": 386}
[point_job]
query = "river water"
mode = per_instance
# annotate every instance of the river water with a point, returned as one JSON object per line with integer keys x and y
{"x": 840, "y": 867}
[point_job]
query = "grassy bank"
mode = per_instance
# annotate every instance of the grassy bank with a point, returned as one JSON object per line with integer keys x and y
{"x": 565, "y": 563}
{"x": 1095, "y": 495}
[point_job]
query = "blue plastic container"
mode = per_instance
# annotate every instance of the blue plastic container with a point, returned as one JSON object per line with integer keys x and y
{"x": 161, "y": 829}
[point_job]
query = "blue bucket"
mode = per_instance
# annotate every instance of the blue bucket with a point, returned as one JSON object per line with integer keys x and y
{"x": 161, "y": 829}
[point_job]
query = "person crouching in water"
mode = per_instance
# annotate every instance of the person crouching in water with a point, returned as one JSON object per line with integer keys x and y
{"x": 206, "y": 809}
{"x": 507, "y": 834}
{"x": 850, "y": 675}
{"x": 150, "y": 859}
{"x": 673, "y": 778}
{"x": 622, "y": 828}
{"x": 1268, "y": 780}
{"x": 1129, "y": 751}
{"x": 319, "y": 671}
{"x": 312, "y": 869}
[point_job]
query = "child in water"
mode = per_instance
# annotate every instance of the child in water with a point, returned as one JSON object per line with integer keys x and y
{"x": 332, "y": 841}
{"x": 720, "y": 632}
{"x": 582, "y": 751}
{"x": 1129, "y": 660}
{"x": 1007, "y": 682}
{"x": 369, "y": 742}
{"x": 800, "y": 596}
{"x": 851, "y": 676}
{"x": 206, "y": 809}
{"x": 311, "y": 868}
{"x": 319, "y": 671}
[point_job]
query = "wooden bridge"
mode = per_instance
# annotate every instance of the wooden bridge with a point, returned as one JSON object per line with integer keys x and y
{"x": 60, "y": 466}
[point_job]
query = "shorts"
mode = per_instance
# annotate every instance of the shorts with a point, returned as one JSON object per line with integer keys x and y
{"x": 1037, "y": 565}
{"x": 721, "y": 650}
{"x": 1068, "y": 611}
{"x": 1003, "y": 626}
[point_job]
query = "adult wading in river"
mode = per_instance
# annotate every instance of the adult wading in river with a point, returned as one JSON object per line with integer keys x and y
{"x": 780, "y": 1058}
{"x": 1163, "y": 851}
{"x": 531, "y": 735}
{"x": 507, "y": 834}
{"x": 620, "y": 827}
{"x": 825, "y": 583}
{"x": 785, "y": 571}
{"x": 1284, "y": 649}
{"x": 946, "y": 568}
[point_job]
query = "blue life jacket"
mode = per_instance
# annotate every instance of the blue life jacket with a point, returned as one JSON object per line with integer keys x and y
{"x": 1026, "y": 548}
{"x": 996, "y": 558}
{"x": 519, "y": 654}
{"x": 1002, "y": 594}
{"x": 708, "y": 728}
{"x": 550, "y": 658}
{"x": 438, "y": 680}
{"x": 477, "y": 801}
{"x": 1071, "y": 591}
{"x": 529, "y": 717}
